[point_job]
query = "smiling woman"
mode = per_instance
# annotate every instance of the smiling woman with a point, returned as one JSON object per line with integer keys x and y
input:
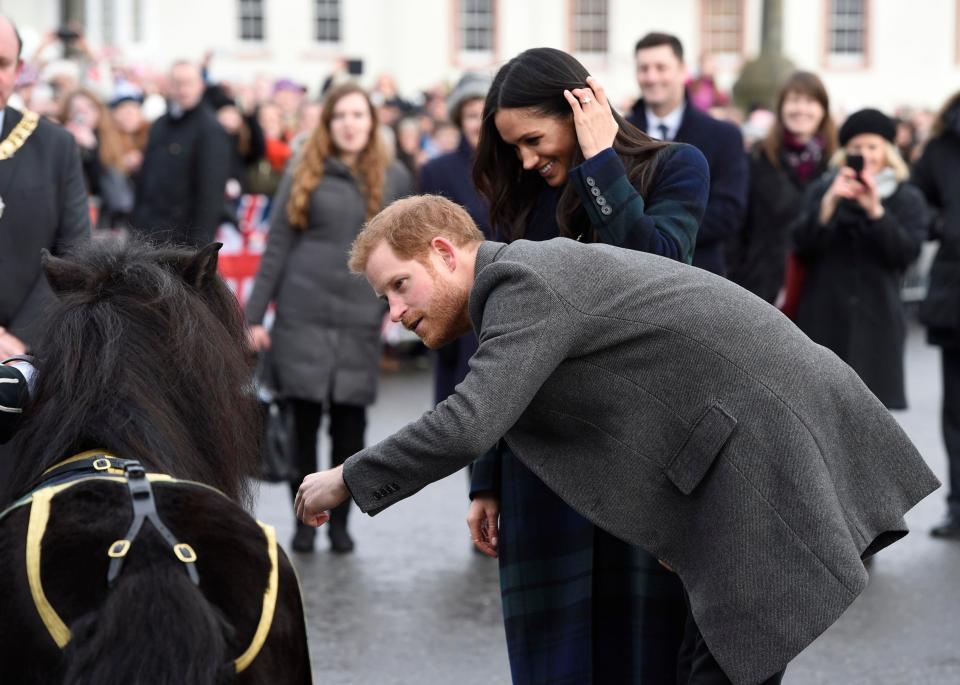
{"x": 554, "y": 159}
{"x": 324, "y": 347}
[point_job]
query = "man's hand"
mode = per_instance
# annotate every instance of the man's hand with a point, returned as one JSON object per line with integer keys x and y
{"x": 319, "y": 492}
{"x": 10, "y": 345}
{"x": 483, "y": 519}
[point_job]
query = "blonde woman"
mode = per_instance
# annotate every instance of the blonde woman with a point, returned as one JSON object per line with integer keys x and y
{"x": 863, "y": 225}
{"x": 325, "y": 341}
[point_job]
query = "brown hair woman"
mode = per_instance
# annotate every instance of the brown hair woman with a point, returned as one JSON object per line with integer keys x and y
{"x": 325, "y": 341}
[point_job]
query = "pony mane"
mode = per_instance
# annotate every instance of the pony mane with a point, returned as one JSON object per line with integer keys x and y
{"x": 143, "y": 354}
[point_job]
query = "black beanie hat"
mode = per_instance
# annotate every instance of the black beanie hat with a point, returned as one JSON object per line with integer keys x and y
{"x": 217, "y": 97}
{"x": 867, "y": 121}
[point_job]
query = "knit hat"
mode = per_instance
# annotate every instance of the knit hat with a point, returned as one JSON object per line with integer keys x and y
{"x": 471, "y": 86}
{"x": 867, "y": 121}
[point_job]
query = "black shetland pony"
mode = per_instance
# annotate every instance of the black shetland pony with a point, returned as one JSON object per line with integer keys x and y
{"x": 143, "y": 357}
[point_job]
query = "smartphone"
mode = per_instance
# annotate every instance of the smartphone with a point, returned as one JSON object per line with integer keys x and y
{"x": 855, "y": 162}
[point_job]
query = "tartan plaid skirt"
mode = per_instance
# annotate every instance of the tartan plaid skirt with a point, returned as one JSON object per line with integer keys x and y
{"x": 580, "y": 606}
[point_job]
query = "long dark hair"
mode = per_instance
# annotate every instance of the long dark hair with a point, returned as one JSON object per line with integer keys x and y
{"x": 143, "y": 354}
{"x": 536, "y": 79}
{"x": 809, "y": 84}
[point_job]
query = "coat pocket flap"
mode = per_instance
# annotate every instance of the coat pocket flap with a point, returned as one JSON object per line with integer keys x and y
{"x": 705, "y": 440}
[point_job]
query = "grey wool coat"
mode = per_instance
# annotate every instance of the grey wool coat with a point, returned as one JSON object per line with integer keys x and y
{"x": 682, "y": 414}
{"x": 325, "y": 339}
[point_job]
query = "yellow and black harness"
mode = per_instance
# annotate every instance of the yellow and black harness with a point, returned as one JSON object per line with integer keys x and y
{"x": 97, "y": 464}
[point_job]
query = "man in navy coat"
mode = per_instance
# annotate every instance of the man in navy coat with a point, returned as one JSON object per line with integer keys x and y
{"x": 664, "y": 112}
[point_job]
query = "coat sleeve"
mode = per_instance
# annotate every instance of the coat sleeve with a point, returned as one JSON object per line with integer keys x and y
{"x": 485, "y": 474}
{"x": 212, "y": 167}
{"x": 280, "y": 241}
{"x": 13, "y": 398}
{"x": 666, "y": 223}
{"x": 811, "y": 238}
{"x": 727, "y": 202}
{"x": 899, "y": 233}
{"x": 74, "y": 218}
{"x": 74, "y": 210}
{"x": 524, "y": 335}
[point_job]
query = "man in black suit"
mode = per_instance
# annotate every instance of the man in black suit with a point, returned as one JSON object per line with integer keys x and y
{"x": 666, "y": 113}
{"x": 180, "y": 189}
{"x": 43, "y": 203}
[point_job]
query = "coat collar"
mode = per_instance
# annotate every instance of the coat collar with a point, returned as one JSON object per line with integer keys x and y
{"x": 638, "y": 116}
{"x": 11, "y": 118}
{"x": 486, "y": 255}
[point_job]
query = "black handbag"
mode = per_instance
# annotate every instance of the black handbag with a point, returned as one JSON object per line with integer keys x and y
{"x": 276, "y": 451}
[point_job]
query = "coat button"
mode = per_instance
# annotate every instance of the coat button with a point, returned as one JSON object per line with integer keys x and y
{"x": 605, "y": 210}
{"x": 601, "y": 200}
{"x": 590, "y": 181}
{"x": 595, "y": 191}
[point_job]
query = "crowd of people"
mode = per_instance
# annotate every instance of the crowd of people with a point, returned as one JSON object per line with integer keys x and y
{"x": 817, "y": 216}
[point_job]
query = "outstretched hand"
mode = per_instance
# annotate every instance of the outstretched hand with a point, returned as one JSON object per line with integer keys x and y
{"x": 592, "y": 117}
{"x": 319, "y": 493}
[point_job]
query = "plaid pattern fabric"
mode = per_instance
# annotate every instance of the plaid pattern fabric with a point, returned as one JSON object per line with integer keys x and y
{"x": 580, "y": 607}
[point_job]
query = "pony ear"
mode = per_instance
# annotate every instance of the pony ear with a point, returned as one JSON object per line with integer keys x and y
{"x": 201, "y": 269}
{"x": 62, "y": 275}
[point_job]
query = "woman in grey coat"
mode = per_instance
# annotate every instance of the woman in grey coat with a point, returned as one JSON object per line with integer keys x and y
{"x": 325, "y": 340}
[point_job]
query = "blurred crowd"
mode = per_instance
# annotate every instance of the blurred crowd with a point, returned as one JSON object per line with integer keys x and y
{"x": 109, "y": 105}
{"x": 820, "y": 213}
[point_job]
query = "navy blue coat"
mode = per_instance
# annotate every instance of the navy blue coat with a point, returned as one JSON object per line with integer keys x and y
{"x": 450, "y": 175}
{"x": 722, "y": 145}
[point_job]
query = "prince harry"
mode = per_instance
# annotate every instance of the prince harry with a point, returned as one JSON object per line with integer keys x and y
{"x": 668, "y": 406}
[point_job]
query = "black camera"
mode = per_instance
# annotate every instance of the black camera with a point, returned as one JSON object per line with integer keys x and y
{"x": 67, "y": 34}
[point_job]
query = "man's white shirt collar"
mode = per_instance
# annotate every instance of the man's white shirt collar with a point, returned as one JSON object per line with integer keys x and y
{"x": 672, "y": 121}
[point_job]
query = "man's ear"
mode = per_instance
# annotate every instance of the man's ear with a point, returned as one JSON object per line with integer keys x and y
{"x": 201, "y": 269}
{"x": 446, "y": 251}
{"x": 62, "y": 275}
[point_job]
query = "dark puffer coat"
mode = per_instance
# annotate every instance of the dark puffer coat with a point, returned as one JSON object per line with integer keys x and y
{"x": 326, "y": 336}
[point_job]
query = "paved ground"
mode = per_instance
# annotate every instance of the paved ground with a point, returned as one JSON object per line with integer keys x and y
{"x": 414, "y": 605}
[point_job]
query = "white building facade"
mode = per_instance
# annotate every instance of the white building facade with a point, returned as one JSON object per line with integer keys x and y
{"x": 882, "y": 53}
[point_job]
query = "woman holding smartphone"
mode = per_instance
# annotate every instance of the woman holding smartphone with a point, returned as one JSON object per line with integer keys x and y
{"x": 554, "y": 159}
{"x": 862, "y": 226}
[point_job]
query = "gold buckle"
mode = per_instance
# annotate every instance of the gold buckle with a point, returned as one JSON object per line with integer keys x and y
{"x": 185, "y": 553}
{"x": 101, "y": 464}
{"x": 118, "y": 549}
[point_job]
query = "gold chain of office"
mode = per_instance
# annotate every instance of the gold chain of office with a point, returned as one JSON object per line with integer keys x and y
{"x": 18, "y": 136}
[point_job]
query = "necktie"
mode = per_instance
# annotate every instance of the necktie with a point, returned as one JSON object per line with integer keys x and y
{"x": 663, "y": 131}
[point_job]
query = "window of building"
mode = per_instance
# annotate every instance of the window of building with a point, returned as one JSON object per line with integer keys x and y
{"x": 327, "y": 21}
{"x": 476, "y": 25}
{"x": 251, "y": 19}
{"x": 136, "y": 18}
{"x": 847, "y": 31}
{"x": 721, "y": 28}
{"x": 590, "y": 21}
{"x": 107, "y": 22}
